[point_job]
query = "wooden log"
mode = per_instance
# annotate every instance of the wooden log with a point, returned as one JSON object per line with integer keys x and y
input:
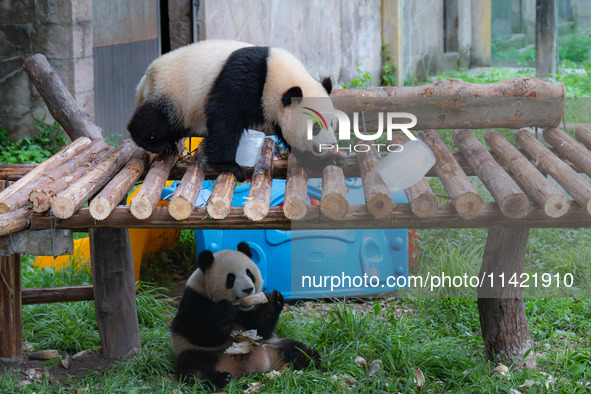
{"x": 421, "y": 198}
{"x": 502, "y": 315}
{"x": 42, "y": 196}
{"x": 568, "y": 178}
{"x": 62, "y": 106}
{"x": 70, "y": 200}
{"x": 259, "y": 195}
{"x": 11, "y": 340}
{"x": 102, "y": 205}
{"x": 47, "y": 295}
{"x": 583, "y": 134}
{"x": 333, "y": 200}
{"x": 13, "y": 221}
{"x": 14, "y": 172}
{"x": 451, "y": 104}
{"x": 295, "y": 204}
{"x": 377, "y": 194}
{"x": 553, "y": 202}
{"x": 511, "y": 200}
{"x": 463, "y": 195}
{"x": 186, "y": 194}
{"x": 114, "y": 294}
{"x": 23, "y": 186}
{"x": 569, "y": 148}
{"x": 220, "y": 201}
{"x": 147, "y": 198}
{"x": 357, "y": 217}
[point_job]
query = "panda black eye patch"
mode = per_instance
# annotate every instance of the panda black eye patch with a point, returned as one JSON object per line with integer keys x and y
{"x": 250, "y": 275}
{"x": 316, "y": 129}
{"x": 230, "y": 281}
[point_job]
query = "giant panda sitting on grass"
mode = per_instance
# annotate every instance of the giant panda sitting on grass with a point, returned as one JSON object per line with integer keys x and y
{"x": 209, "y": 316}
{"x": 218, "y": 88}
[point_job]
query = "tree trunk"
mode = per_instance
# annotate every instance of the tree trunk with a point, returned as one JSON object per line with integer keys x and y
{"x": 114, "y": 292}
{"x": 502, "y": 315}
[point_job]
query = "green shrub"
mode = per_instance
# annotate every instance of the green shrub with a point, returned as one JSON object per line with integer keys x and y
{"x": 48, "y": 140}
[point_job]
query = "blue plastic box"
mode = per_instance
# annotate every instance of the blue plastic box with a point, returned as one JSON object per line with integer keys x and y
{"x": 318, "y": 263}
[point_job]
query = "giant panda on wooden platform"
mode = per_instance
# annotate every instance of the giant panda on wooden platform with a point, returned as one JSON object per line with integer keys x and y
{"x": 218, "y": 88}
{"x": 204, "y": 328}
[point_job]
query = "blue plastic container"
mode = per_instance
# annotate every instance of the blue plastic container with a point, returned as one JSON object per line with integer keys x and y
{"x": 318, "y": 263}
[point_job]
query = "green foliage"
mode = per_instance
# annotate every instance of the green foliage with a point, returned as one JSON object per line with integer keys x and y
{"x": 575, "y": 47}
{"x": 388, "y": 77}
{"x": 362, "y": 81}
{"x": 48, "y": 140}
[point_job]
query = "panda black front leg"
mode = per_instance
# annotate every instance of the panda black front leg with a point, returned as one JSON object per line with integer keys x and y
{"x": 317, "y": 162}
{"x": 264, "y": 317}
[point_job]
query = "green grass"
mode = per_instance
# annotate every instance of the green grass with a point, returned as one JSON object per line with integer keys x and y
{"x": 441, "y": 336}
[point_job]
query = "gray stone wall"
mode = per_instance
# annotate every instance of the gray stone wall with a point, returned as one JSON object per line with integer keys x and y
{"x": 60, "y": 29}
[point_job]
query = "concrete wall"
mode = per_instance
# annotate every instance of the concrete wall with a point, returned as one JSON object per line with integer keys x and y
{"x": 60, "y": 29}
{"x": 329, "y": 36}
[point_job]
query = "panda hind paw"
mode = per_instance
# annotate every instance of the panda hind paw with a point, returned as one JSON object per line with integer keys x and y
{"x": 221, "y": 379}
{"x": 233, "y": 167}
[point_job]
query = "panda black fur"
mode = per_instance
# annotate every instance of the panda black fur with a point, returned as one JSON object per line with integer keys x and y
{"x": 218, "y": 88}
{"x": 200, "y": 332}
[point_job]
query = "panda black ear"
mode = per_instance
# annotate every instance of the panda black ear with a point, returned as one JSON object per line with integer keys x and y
{"x": 205, "y": 259}
{"x": 327, "y": 84}
{"x": 293, "y": 94}
{"x": 244, "y": 248}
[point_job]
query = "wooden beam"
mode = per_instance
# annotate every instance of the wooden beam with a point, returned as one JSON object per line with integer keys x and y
{"x": 185, "y": 196}
{"x": 62, "y": 106}
{"x": 357, "y": 217}
{"x": 47, "y": 295}
{"x": 511, "y": 200}
{"x": 259, "y": 195}
{"x": 451, "y": 104}
{"x": 462, "y": 193}
{"x": 295, "y": 202}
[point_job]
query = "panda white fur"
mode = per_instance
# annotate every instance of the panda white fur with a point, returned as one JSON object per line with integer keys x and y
{"x": 217, "y": 88}
{"x": 200, "y": 332}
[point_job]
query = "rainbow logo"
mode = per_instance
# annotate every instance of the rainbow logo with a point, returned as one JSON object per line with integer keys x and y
{"x": 315, "y": 116}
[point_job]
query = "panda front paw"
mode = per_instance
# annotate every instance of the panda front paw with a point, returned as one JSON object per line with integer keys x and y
{"x": 233, "y": 167}
{"x": 276, "y": 300}
{"x": 336, "y": 159}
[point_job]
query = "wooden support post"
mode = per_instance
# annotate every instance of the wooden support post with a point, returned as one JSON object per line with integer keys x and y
{"x": 295, "y": 204}
{"x": 546, "y": 38}
{"x": 423, "y": 202}
{"x": 259, "y": 195}
{"x": 583, "y": 134}
{"x": 553, "y": 202}
{"x": 463, "y": 195}
{"x": 114, "y": 292}
{"x": 11, "y": 325}
{"x": 509, "y": 197}
{"x": 185, "y": 196}
{"x": 502, "y": 315}
{"x": 568, "y": 178}
{"x": 377, "y": 194}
